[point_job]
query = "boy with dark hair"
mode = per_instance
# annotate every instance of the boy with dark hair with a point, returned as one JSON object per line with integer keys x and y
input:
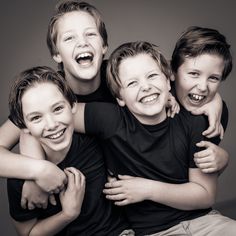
{"x": 200, "y": 61}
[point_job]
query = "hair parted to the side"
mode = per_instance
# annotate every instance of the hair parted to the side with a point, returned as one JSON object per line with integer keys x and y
{"x": 196, "y": 41}
{"x": 28, "y": 79}
{"x": 132, "y": 49}
{"x": 67, "y": 6}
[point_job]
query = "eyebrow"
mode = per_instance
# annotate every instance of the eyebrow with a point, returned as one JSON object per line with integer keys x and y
{"x": 38, "y": 112}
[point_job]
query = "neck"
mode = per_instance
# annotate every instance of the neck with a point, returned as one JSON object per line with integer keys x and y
{"x": 55, "y": 156}
{"x": 83, "y": 86}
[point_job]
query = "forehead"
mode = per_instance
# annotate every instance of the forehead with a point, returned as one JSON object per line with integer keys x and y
{"x": 75, "y": 20}
{"x": 208, "y": 62}
{"x": 41, "y": 94}
{"x": 138, "y": 64}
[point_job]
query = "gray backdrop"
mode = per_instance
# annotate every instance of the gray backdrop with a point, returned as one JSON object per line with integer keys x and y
{"x": 23, "y": 26}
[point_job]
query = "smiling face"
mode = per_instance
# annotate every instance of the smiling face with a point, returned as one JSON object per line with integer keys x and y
{"x": 80, "y": 46}
{"x": 48, "y": 116}
{"x": 144, "y": 88}
{"x": 198, "y": 79}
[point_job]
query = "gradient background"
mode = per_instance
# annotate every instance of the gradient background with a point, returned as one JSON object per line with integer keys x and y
{"x": 23, "y": 27}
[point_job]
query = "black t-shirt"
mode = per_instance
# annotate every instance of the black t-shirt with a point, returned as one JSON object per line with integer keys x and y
{"x": 97, "y": 216}
{"x": 162, "y": 152}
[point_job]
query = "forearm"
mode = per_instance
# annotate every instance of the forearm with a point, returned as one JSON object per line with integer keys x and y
{"x": 14, "y": 165}
{"x": 188, "y": 196}
{"x": 51, "y": 225}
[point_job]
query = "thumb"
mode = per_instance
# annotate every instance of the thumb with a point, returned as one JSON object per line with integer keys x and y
{"x": 123, "y": 177}
{"x": 203, "y": 144}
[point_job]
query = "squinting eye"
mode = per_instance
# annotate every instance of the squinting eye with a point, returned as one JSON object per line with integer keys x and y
{"x": 91, "y": 34}
{"x": 152, "y": 76}
{"x": 132, "y": 84}
{"x": 68, "y": 38}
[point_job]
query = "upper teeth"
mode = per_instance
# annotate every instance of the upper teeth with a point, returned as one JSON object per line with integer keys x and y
{"x": 149, "y": 98}
{"x": 197, "y": 97}
{"x": 86, "y": 54}
{"x": 54, "y": 136}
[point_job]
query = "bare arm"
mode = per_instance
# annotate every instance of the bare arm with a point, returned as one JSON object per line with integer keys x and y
{"x": 213, "y": 110}
{"x": 79, "y": 117}
{"x": 198, "y": 193}
{"x": 71, "y": 200}
{"x": 11, "y": 165}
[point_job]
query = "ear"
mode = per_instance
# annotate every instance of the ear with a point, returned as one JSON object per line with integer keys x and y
{"x": 104, "y": 50}
{"x": 74, "y": 108}
{"x": 120, "y": 102}
{"x": 57, "y": 58}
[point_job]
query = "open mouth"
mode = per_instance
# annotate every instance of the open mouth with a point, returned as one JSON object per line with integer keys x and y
{"x": 150, "y": 98}
{"x": 196, "y": 98}
{"x": 56, "y": 135}
{"x": 84, "y": 58}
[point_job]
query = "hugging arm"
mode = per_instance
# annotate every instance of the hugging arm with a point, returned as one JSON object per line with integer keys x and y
{"x": 71, "y": 201}
{"x": 198, "y": 193}
{"x": 14, "y": 165}
{"x": 213, "y": 110}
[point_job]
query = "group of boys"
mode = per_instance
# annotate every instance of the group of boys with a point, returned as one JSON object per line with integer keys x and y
{"x": 159, "y": 166}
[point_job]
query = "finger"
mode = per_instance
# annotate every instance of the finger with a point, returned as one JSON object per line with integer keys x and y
{"x": 125, "y": 177}
{"x": 208, "y": 170}
{"x": 114, "y": 184}
{"x": 23, "y": 202}
{"x": 202, "y": 154}
{"x": 168, "y": 113}
{"x": 112, "y": 191}
{"x": 111, "y": 179}
{"x": 52, "y": 200}
{"x": 71, "y": 179}
{"x": 122, "y": 203}
{"x": 117, "y": 197}
{"x": 31, "y": 206}
{"x": 209, "y": 130}
{"x": 205, "y": 144}
{"x": 205, "y": 165}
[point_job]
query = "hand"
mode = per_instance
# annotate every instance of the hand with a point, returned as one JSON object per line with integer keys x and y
{"x": 50, "y": 177}
{"x": 127, "y": 190}
{"x": 72, "y": 197}
{"x": 173, "y": 106}
{"x": 33, "y": 196}
{"x": 212, "y": 159}
{"x": 213, "y": 110}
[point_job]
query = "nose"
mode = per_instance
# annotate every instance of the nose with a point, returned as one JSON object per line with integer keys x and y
{"x": 202, "y": 85}
{"x": 145, "y": 86}
{"x": 50, "y": 123}
{"x": 82, "y": 41}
